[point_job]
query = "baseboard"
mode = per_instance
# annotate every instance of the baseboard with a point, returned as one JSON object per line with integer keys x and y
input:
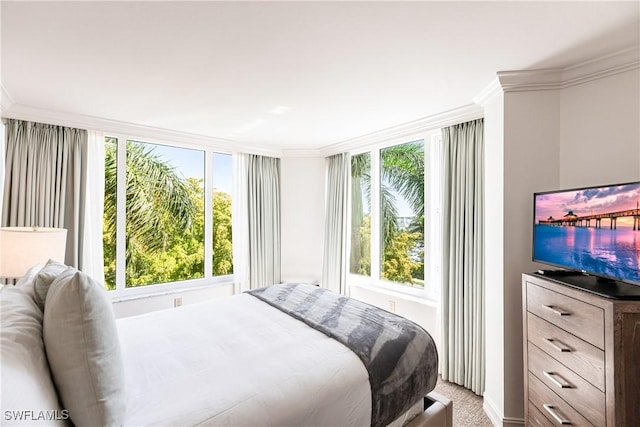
{"x": 512, "y": 422}
{"x": 492, "y": 411}
{"x": 496, "y": 416}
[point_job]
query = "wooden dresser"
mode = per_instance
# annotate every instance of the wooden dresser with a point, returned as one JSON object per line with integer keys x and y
{"x": 581, "y": 354}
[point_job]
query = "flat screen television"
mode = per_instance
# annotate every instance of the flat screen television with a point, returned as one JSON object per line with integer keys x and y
{"x": 594, "y": 230}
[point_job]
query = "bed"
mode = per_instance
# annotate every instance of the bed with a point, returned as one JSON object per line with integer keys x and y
{"x": 286, "y": 355}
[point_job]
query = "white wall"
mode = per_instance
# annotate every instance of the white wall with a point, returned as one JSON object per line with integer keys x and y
{"x": 302, "y": 218}
{"x": 531, "y": 163}
{"x": 600, "y": 134}
{"x": 521, "y": 157}
{"x": 494, "y": 255}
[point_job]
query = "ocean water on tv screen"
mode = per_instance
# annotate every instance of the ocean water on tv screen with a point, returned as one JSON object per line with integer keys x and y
{"x": 602, "y": 251}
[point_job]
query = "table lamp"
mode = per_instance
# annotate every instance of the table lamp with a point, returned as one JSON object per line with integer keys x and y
{"x": 23, "y": 247}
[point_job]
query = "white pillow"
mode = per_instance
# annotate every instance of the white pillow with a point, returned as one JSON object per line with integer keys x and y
{"x": 82, "y": 345}
{"x": 45, "y": 278}
{"x": 27, "y": 389}
{"x": 29, "y": 276}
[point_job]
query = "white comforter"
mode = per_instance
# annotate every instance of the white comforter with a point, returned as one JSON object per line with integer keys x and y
{"x": 239, "y": 362}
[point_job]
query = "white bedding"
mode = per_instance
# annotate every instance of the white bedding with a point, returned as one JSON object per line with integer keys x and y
{"x": 228, "y": 363}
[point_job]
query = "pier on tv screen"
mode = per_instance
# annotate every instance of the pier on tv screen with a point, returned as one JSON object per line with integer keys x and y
{"x": 595, "y": 230}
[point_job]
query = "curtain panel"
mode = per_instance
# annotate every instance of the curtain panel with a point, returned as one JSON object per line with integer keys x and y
{"x": 334, "y": 264}
{"x": 240, "y": 219}
{"x": 257, "y": 254}
{"x": 45, "y": 181}
{"x": 92, "y": 256}
{"x": 463, "y": 325}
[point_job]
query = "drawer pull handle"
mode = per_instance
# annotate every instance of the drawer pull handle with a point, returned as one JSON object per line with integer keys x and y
{"x": 552, "y": 411}
{"x": 556, "y": 311}
{"x": 552, "y": 377}
{"x": 555, "y": 344}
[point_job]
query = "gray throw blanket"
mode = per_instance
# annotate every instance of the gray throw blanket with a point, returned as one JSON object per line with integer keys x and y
{"x": 399, "y": 355}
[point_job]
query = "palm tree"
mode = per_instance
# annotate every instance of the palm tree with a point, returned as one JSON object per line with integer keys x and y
{"x": 158, "y": 204}
{"x": 360, "y": 185}
{"x": 403, "y": 168}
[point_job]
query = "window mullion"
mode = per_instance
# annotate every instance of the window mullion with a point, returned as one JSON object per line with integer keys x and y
{"x": 428, "y": 222}
{"x": 435, "y": 217}
{"x": 208, "y": 214}
{"x": 375, "y": 214}
{"x": 121, "y": 212}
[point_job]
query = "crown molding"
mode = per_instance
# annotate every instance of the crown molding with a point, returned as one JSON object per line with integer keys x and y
{"x": 608, "y": 65}
{"x": 302, "y": 152}
{"x": 132, "y": 130}
{"x": 436, "y": 121}
{"x": 561, "y": 78}
{"x": 488, "y": 93}
{"x": 530, "y": 80}
{"x": 5, "y": 100}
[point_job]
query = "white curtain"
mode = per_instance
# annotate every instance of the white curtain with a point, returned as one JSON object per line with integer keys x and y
{"x": 259, "y": 214}
{"x": 463, "y": 336}
{"x": 45, "y": 181}
{"x": 92, "y": 246}
{"x": 334, "y": 265}
{"x": 240, "y": 218}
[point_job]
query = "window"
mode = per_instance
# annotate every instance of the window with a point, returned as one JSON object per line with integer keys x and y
{"x": 390, "y": 212}
{"x": 157, "y": 218}
{"x": 401, "y": 204}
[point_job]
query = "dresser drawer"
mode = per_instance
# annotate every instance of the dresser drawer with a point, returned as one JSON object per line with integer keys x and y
{"x": 581, "y": 357}
{"x": 580, "y": 394}
{"x": 552, "y": 406}
{"x": 576, "y": 317}
{"x": 536, "y": 418}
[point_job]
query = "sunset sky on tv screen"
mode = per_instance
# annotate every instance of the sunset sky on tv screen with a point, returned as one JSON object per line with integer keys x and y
{"x": 591, "y": 201}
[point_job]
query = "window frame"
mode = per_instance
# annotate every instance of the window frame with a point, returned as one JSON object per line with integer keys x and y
{"x": 121, "y": 292}
{"x": 432, "y": 185}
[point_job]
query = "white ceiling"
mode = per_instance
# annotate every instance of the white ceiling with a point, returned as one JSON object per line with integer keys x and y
{"x": 288, "y": 75}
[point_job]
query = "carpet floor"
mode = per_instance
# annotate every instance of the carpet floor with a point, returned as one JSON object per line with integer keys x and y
{"x": 467, "y": 406}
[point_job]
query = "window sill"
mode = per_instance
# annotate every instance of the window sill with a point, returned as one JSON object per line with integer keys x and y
{"x": 418, "y": 296}
{"x": 141, "y": 292}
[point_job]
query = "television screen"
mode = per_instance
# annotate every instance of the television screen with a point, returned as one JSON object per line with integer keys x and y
{"x": 593, "y": 230}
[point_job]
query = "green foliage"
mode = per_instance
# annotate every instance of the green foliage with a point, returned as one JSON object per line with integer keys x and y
{"x": 222, "y": 237}
{"x": 109, "y": 217}
{"x": 364, "y": 262}
{"x": 164, "y": 221}
{"x": 182, "y": 254}
{"x": 397, "y": 265}
{"x": 418, "y": 272}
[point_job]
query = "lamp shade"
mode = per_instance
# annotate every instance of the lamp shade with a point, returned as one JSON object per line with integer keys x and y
{"x": 23, "y": 247}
